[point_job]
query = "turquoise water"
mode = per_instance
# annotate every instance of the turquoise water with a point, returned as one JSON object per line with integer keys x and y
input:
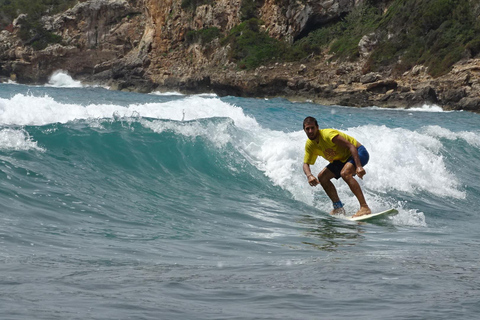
{"x": 119, "y": 205}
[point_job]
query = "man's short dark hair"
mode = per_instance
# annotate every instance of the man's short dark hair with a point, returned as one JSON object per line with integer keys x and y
{"x": 309, "y": 120}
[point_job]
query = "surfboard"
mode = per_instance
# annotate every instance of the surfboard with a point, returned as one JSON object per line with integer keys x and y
{"x": 373, "y": 215}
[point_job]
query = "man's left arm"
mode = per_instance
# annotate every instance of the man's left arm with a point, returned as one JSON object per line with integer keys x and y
{"x": 344, "y": 143}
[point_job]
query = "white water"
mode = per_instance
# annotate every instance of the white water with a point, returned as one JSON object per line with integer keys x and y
{"x": 423, "y": 108}
{"x": 17, "y": 139}
{"x": 61, "y": 79}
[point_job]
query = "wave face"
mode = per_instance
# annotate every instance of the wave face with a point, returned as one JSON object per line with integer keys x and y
{"x": 132, "y": 196}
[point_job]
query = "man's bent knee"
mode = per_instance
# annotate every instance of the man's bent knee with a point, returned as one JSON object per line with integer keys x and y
{"x": 347, "y": 172}
{"x": 325, "y": 176}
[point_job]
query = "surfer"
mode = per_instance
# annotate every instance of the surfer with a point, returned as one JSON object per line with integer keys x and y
{"x": 346, "y": 156}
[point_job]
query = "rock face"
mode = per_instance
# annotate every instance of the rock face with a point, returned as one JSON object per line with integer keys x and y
{"x": 141, "y": 45}
{"x": 290, "y": 19}
{"x": 93, "y": 32}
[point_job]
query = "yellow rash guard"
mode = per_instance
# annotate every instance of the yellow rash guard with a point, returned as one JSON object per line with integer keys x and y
{"x": 326, "y": 148}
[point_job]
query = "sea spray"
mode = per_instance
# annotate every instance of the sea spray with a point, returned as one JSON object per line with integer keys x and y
{"x": 17, "y": 139}
{"x": 61, "y": 79}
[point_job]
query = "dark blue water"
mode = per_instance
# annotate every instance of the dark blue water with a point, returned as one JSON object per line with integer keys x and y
{"x": 112, "y": 207}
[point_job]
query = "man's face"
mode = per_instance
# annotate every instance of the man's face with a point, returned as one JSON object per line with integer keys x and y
{"x": 311, "y": 130}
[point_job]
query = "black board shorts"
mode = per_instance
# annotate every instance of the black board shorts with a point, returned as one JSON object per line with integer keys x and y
{"x": 337, "y": 165}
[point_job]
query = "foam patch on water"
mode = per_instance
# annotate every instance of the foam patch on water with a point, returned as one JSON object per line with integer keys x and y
{"x": 17, "y": 139}
{"x": 408, "y": 217}
{"x": 423, "y": 108}
{"x": 472, "y": 138}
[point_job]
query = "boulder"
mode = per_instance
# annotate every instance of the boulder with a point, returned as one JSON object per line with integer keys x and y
{"x": 367, "y": 44}
{"x": 370, "y": 77}
{"x": 469, "y": 104}
{"x": 382, "y": 86}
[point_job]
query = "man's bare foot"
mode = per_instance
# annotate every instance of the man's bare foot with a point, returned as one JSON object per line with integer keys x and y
{"x": 337, "y": 211}
{"x": 362, "y": 212}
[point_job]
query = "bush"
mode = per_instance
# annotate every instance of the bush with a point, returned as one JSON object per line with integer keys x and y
{"x": 251, "y": 47}
{"x": 45, "y": 39}
{"x": 202, "y": 36}
{"x": 248, "y": 10}
{"x": 193, "y": 4}
{"x": 361, "y": 21}
{"x": 474, "y": 46}
{"x": 436, "y": 33}
{"x": 313, "y": 43}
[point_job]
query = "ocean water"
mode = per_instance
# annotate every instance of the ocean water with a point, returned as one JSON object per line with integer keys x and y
{"x": 118, "y": 205}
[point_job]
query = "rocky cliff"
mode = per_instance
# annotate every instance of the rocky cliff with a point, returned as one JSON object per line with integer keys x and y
{"x": 95, "y": 35}
{"x": 143, "y": 45}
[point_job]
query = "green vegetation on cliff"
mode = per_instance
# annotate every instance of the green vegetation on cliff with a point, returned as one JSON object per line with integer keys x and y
{"x": 202, "y": 36}
{"x": 435, "y": 33}
{"x": 193, "y": 4}
{"x": 342, "y": 37}
{"x": 251, "y": 47}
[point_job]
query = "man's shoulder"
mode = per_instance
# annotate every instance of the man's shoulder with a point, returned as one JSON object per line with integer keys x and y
{"x": 329, "y": 134}
{"x": 329, "y": 130}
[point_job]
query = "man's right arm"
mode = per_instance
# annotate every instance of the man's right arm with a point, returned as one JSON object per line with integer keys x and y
{"x": 312, "y": 180}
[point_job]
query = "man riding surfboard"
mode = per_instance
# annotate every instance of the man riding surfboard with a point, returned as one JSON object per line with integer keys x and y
{"x": 347, "y": 157}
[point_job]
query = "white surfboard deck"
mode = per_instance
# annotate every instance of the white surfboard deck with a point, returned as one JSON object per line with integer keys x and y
{"x": 373, "y": 215}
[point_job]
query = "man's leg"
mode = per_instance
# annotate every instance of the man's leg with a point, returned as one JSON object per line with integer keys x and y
{"x": 325, "y": 177}
{"x": 347, "y": 174}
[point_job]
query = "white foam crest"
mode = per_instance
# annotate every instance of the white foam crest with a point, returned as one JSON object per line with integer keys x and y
{"x": 472, "y": 138}
{"x": 193, "y": 108}
{"x": 31, "y": 110}
{"x": 17, "y": 139}
{"x": 61, "y": 79}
